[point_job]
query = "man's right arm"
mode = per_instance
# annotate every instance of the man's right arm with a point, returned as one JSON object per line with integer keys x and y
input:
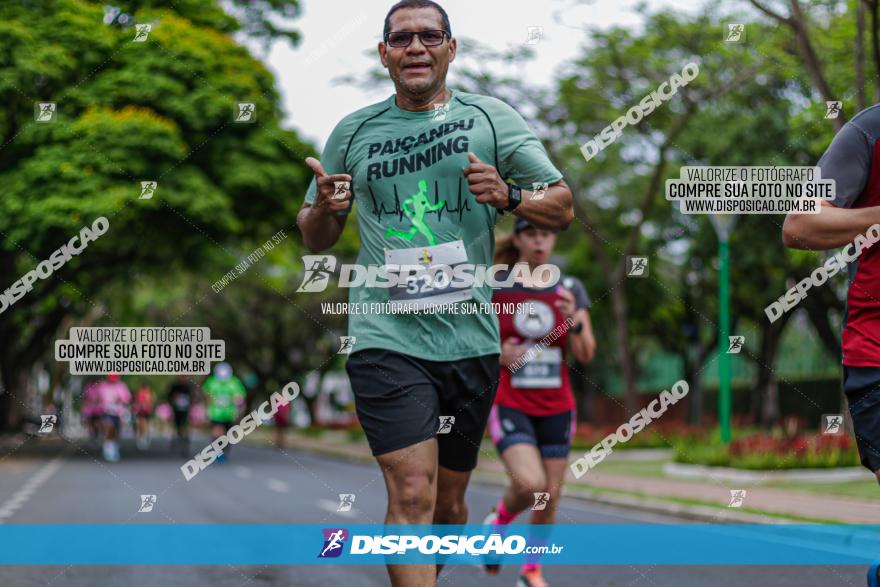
{"x": 320, "y": 231}
{"x": 848, "y": 162}
{"x": 320, "y": 222}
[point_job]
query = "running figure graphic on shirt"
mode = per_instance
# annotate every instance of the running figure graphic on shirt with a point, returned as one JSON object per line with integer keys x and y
{"x": 415, "y": 207}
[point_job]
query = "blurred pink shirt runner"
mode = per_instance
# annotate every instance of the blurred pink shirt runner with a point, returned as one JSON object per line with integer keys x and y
{"x": 111, "y": 398}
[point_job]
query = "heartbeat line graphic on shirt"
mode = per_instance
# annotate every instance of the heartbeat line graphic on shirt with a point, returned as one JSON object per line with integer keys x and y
{"x": 379, "y": 209}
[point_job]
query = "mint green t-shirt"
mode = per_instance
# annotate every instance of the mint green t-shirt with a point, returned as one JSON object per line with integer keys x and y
{"x": 411, "y": 192}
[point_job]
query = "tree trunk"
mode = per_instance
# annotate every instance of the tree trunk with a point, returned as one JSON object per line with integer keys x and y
{"x": 765, "y": 396}
{"x": 860, "y": 57}
{"x": 875, "y": 46}
{"x": 627, "y": 362}
{"x": 811, "y": 60}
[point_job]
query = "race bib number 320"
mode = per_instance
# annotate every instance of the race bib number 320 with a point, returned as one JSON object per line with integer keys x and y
{"x": 428, "y": 282}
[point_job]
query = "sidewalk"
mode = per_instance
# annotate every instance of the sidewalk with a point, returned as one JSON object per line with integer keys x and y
{"x": 701, "y": 500}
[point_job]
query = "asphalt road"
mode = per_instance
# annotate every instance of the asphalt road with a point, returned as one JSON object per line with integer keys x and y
{"x": 57, "y": 482}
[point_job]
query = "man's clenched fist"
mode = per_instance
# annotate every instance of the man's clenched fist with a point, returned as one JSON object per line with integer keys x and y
{"x": 333, "y": 192}
{"x": 485, "y": 183}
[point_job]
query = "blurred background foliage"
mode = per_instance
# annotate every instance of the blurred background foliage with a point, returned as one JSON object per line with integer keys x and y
{"x": 163, "y": 110}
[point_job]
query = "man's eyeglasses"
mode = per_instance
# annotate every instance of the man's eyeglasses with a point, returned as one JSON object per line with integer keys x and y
{"x": 404, "y": 38}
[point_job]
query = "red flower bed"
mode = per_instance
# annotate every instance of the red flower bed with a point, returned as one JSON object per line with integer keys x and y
{"x": 764, "y": 444}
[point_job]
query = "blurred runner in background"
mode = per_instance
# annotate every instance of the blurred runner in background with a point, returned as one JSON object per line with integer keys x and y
{"x": 114, "y": 398}
{"x": 225, "y": 394}
{"x": 533, "y": 418}
{"x": 180, "y": 398}
{"x": 282, "y": 422}
{"x": 91, "y": 411}
{"x": 142, "y": 410}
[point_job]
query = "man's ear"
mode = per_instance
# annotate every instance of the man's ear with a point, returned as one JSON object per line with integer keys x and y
{"x": 453, "y": 46}
{"x": 381, "y": 49}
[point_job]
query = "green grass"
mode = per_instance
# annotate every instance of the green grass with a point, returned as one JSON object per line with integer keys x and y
{"x": 311, "y": 431}
{"x": 636, "y": 468}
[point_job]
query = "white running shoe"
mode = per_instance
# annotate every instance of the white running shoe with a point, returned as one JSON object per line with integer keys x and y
{"x": 490, "y": 567}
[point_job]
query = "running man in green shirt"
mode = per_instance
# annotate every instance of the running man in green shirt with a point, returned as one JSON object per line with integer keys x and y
{"x": 431, "y": 169}
{"x": 225, "y": 394}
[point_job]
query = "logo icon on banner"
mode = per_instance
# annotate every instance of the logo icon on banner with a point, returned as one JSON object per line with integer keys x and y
{"x": 147, "y": 503}
{"x": 318, "y": 269}
{"x": 47, "y": 423}
{"x": 346, "y": 500}
{"x": 334, "y": 541}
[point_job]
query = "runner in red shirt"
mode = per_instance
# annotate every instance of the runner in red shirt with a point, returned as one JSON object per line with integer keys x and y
{"x": 533, "y": 417}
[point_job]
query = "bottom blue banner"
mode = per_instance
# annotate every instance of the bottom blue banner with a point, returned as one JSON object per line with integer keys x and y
{"x": 630, "y": 544}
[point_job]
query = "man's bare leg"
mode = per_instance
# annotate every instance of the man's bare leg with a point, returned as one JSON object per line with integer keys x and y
{"x": 411, "y": 480}
{"x": 451, "y": 507}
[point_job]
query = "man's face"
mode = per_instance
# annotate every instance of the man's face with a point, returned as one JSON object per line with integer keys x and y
{"x": 417, "y": 70}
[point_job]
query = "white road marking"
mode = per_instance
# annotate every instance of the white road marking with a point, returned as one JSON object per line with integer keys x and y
{"x": 24, "y": 493}
{"x": 278, "y": 485}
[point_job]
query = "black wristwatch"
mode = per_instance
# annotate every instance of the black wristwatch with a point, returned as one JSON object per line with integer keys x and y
{"x": 577, "y": 328}
{"x": 514, "y": 197}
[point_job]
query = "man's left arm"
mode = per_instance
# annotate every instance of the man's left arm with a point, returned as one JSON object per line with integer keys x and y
{"x": 552, "y": 210}
{"x": 521, "y": 159}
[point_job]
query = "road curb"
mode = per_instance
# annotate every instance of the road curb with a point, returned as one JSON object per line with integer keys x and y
{"x": 692, "y": 512}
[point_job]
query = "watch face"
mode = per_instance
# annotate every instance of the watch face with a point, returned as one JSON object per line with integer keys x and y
{"x": 514, "y": 196}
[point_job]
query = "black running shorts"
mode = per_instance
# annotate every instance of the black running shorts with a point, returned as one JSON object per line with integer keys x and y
{"x": 862, "y": 388}
{"x": 403, "y": 400}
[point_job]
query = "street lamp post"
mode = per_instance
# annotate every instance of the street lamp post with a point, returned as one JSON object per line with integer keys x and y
{"x": 723, "y": 224}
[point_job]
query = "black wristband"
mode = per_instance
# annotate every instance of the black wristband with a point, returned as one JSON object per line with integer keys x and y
{"x": 577, "y": 328}
{"x": 514, "y": 197}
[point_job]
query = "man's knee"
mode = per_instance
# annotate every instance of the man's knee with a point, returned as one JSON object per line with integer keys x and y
{"x": 451, "y": 507}
{"x": 412, "y": 493}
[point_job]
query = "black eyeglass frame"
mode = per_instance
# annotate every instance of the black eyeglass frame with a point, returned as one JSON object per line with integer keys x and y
{"x": 414, "y": 34}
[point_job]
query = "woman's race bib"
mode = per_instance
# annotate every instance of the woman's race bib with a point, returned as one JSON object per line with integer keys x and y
{"x": 542, "y": 371}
